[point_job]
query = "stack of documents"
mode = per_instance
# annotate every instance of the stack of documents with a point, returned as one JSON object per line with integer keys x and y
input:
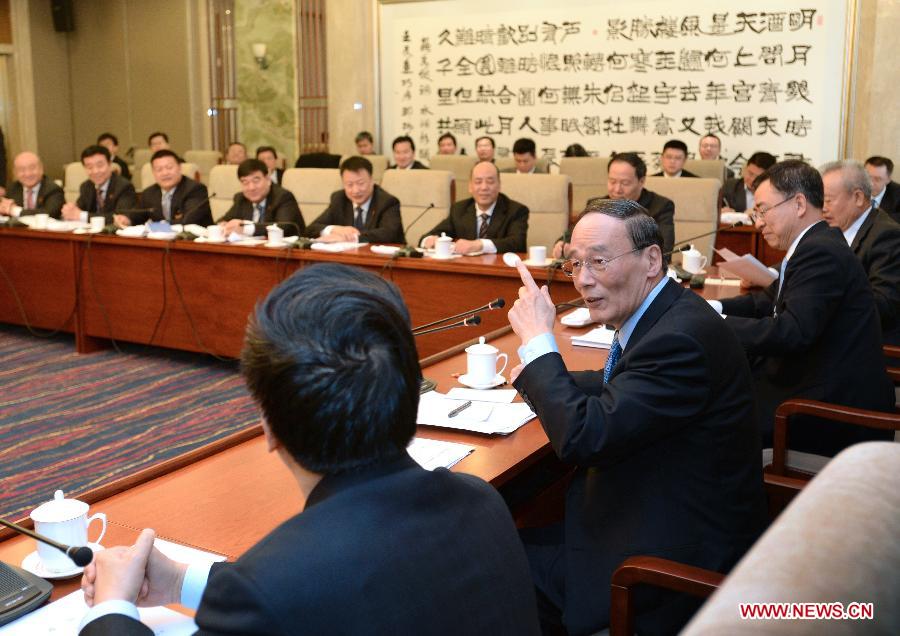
{"x": 490, "y": 412}
{"x": 336, "y": 247}
{"x": 599, "y": 338}
{"x": 433, "y": 453}
{"x": 746, "y": 267}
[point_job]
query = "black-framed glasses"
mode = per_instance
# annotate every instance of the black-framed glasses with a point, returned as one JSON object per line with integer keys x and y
{"x": 760, "y": 213}
{"x": 595, "y": 264}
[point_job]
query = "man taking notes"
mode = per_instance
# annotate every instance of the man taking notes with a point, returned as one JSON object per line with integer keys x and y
{"x": 361, "y": 212}
{"x": 487, "y": 222}
{"x": 382, "y": 546}
{"x": 663, "y": 438}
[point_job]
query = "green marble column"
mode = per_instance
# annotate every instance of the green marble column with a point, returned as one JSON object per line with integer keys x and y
{"x": 267, "y": 99}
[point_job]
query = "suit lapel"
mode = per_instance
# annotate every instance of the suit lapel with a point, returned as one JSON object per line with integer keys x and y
{"x": 664, "y": 299}
{"x": 497, "y": 218}
{"x": 469, "y": 221}
{"x": 373, "y": 209}
{"x": 864, "y": 230}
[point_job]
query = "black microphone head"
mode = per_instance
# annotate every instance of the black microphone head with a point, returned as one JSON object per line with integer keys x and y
{"x": 81, "y": 556}
{"x": 471, "y": 321}
{"x": 498, "y": 304}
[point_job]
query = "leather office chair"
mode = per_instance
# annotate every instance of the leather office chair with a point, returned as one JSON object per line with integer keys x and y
{"x": 224, "y": 183}
{"x": 460, "y": 166}
{"x": 380, "y": 163}
{"x": 505, "y": 163}
{"x": 549, "y": 201}
{"x": 588, "y": 175}
{"x": 141, "y": 156}
{"x": 856, "y": 489}
{"x": 75, "y": 175}
{"x": 696, "y": 208}
{"x": 205, "y": 161}
{"x": 418, "y": 189}
{"x": 312, "y": 188}
{"x": 707, "y": 169}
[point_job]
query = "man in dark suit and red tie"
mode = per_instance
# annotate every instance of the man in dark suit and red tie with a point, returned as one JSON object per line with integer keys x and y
{"x": 105, "y": 193}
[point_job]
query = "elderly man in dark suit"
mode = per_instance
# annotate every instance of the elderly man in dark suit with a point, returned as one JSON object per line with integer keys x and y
{"x": 382, "y": 545}
{"x": 173, "y": 198}
{"x": 885, "y": 191}
{"x": 872, "y": 235}
{"x": 104, "y": 193}
{"x": 262, "y": 203}
{"x": 663, "y": 438}
{"x": 737, "y": 194}
{"x": 361, "y": 212}
{"x": 814, "y": 332}
{"x": 32, "y": 191}
{"x": 487, "y": 222}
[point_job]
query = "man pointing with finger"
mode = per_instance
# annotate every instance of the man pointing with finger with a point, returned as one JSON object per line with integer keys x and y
{"x": 663, "y": 438}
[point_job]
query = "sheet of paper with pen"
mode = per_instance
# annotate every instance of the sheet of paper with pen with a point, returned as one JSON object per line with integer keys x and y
{"x": 480, "y": 417}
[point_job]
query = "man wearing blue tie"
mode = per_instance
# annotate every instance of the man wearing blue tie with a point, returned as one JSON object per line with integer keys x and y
{"x": 663, "y": 439}
{"x": 262, "y": 202}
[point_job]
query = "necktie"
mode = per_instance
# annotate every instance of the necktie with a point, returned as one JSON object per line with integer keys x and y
{"x": 167, "y": 205}
{"x": 358, "y": 222}
{"x": 485, "y": 221}
{"x": 780, "y": 285}
{"x": 100, "y": 200}
{"x": 29, "y": 199}
{"x": 257, "y": 213}
{"x": 615, "y": 352}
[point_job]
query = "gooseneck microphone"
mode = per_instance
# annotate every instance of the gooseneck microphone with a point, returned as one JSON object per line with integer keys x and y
{"x": 497, "y": 303}
{"x": 410, "y": 251}
{"x": 178, "y": 216}
{"x": 684, "y": 246}
{"x": 81, "y": 555}
{"x": 470, "y": 321}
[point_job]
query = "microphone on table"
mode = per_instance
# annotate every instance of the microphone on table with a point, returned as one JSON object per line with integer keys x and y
{"x": 470, "y": 321}
{"x": 81, "y": 555}
{"x": 177, "y": 216}
{"x": 409, "y": 251}
{"x": 685, "y": 245}
{"x": 497, "y": 303}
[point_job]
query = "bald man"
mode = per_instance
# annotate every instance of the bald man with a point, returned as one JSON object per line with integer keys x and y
{"x": 33, "y": 191}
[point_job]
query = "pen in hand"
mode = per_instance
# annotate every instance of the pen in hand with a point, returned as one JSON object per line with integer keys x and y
{"x": 459, "y": 409}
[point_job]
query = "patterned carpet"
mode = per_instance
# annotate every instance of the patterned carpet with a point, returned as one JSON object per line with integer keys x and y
{"x": 82, "y": 422}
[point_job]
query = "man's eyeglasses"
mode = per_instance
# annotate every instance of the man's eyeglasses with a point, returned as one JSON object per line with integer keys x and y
{"x": 760, "y": 213}
{"x": 596, "y": 264}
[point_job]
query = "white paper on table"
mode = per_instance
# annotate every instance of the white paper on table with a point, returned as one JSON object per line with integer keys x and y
{"x": 62, "y": 618}
{"x": 342, "y": 246}
{"x": 581, "y": 317}
{"x": 502, "y": 418}
{"x": 504, "y": 396}
{"x": 599, "y": 338}
{"x": 186, "y": 554}
{"x": 748, "y": 268}
{"x": 385, "y": 250}
{"x": 433, "y": 453}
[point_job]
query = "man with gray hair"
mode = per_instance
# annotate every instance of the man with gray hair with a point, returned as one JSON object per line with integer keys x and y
{"x": 663, "y": 438}
{"x": 872, "y": 235}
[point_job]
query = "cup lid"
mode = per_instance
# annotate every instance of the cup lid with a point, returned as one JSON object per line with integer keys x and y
{"x": 59, "y": 509}
{"x": 444, "y": 237}
{"x": 481, "y": 347}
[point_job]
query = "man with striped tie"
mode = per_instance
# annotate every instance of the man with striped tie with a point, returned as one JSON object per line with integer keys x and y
{"x": 488, "y": 222}
{"x": 262, "y": 203}
{"x": 663, "y": 439}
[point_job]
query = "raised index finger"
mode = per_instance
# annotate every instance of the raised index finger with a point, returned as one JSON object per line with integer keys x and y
{"x": 527, "y": 280}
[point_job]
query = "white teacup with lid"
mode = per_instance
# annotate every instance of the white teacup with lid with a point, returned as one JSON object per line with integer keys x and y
{"x": 692, "y": 260}
{"x": 443, "y": 246}
{"x": 65, "y": 521}
{"x": 481, "y": 363}
{"x": 275, "y": 234}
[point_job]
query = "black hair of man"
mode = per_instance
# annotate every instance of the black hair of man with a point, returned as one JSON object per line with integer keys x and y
{"x": 108, "y": 135}
{"x": 355, "y": 164}
{"x": 401, "y": 139}
{"x": 633, "y": 159}
{"x": 263, "y": 149}
{"x": 449, "y": 136}
{"x": 525, "y": 146}
{"x": 642, "y": 229}
{"x": 879, "y": 161}
{"x": 795, "y": 177}
{"x": 676, "y": 144}
{"x": 365, "y": 135}
{"x": 576, "y": 150}
{"x": 165, "y": 152}
{"x": 158, "y": 133}
{"x": 96, "y": 149}
{"x": 338, "y": 394}
{"x": 490, "y": 139}
{"x": 762, "y": 160}
{"x": 249, "y": 166}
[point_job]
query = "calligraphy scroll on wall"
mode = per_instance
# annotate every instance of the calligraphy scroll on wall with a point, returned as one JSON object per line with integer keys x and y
{"x": 617, "y": 76}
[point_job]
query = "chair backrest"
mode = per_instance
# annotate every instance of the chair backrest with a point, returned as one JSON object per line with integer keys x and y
{"x": 379, "y": 165}
{"x": 187, "y": 169}
{"x": 814, "y": 550}
{"x": 418, "y": 189}
{"x": 318, "y": 160}
{"x": 205, "y": 161}
{"x": 75, "y": 175}
{"x": 505, "y": 163}
{"x": 696, "y": 209}
{"x": 312, "y": 188}
{"x": 707, "y": 168}
{"x": 588, "y": 175}
{"x": 460, "y": 166}
{"x": 224, "y": 183}
{"x": 141, "y": 157}
{"x": 548, "y": 198}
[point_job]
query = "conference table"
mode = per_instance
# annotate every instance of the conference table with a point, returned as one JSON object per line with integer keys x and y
{"x": 197, "y": 296}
